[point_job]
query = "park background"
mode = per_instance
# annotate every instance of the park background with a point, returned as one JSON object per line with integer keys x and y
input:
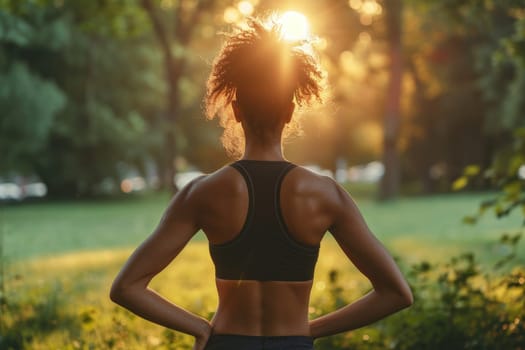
{"x": 101, "y": 109}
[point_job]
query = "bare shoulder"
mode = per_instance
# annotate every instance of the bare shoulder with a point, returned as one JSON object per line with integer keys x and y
{"x": 223, "y": 179}
{"x": 323, "y": 187}
{"x": 309, "y": 203}
{"x": 222, "y": 183}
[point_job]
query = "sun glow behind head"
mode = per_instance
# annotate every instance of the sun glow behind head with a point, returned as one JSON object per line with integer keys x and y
{"x": 294, "y": 26}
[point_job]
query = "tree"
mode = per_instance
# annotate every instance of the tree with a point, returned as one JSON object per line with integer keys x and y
{"x": 88, "y": 117}
{"x": 391, "y": 178}
{"x": 466, "y": 100}
{"x": 29, "y": 102}
{"x": 185, "y": 18}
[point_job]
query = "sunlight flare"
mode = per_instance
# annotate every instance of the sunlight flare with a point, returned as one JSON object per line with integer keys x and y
{"x": 294, "y": 26}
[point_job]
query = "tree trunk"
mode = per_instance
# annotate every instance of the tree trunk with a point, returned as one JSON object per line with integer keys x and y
{"x": 184, "y": 24}
{"x": 391, "y": 179}
{"x": 173, "y": 72}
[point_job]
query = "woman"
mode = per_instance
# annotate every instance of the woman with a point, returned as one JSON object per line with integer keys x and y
{"x": 264, "y": 217}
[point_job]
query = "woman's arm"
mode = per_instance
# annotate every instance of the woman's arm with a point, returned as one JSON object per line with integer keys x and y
{"x": 130, "y": 288}
{"x": 390, "y": 290}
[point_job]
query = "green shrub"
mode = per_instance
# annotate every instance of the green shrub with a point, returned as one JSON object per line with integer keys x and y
{"x": 457, "y": 306}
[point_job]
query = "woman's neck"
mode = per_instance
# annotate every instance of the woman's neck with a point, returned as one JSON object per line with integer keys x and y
{"x": 268, "y": 150}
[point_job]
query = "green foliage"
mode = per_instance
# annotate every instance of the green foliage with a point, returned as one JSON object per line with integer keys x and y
{"x": 32, "y": 315}
{"x": 29, "y": 106}
{"x": 457, "y": 306}
{"x": 29, "y": 100}
{"x": 14, "y": 30}
{"x": 84, "y": 90}
{"x": 504, "y": 176}
{"x": 466, "y": 61}
{"x": 460, "y": 307}
{"x": 81, "y": 93}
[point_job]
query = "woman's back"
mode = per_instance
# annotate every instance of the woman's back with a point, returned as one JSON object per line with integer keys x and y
{"x": 264, "y": 217}
{"x": 277, "y": 302}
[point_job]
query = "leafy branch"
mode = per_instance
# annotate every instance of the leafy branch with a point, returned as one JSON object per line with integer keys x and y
{"x": 507, "y": 175}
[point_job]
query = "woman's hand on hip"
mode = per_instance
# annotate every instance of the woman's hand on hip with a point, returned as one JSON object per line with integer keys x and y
{"x": 202, "y": 340}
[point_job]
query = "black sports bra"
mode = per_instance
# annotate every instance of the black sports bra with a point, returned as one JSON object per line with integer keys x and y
{"x": 264, "y": 250}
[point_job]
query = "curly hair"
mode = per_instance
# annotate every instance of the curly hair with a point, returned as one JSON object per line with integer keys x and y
{"x": 263, "y": 72}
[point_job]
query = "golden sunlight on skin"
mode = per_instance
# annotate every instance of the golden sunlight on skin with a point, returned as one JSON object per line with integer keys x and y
{"x": 294, "y": 26}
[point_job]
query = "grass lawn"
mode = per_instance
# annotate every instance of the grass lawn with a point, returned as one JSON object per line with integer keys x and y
{"x": 414, "y": 228}
{"x": 61, "y": 257}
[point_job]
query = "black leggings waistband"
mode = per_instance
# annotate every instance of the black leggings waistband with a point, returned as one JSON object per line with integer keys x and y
{"x": 249, "y": 342}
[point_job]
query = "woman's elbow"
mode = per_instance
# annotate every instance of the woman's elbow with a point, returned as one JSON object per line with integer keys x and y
{"x": 117, "y": 293}
{"x": 406, "y": 298}
{"x": 400, "y": 295}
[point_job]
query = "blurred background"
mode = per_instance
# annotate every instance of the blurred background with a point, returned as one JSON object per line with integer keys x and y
{"x": 104, "y": 97}
{"x": 101, "y": 121}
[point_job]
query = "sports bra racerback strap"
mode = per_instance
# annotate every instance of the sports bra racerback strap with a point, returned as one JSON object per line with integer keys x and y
{"x": 264, "y": 250}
